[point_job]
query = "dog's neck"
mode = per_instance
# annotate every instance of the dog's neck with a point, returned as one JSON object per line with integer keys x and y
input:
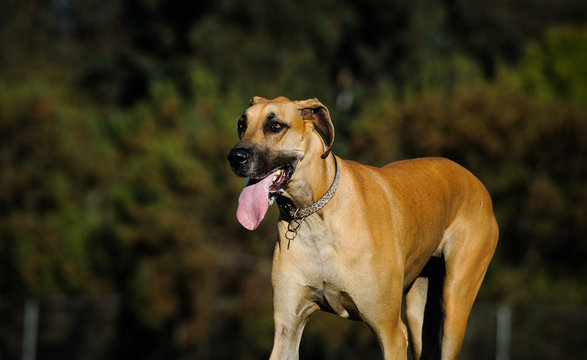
{"x": 306, "y": 190}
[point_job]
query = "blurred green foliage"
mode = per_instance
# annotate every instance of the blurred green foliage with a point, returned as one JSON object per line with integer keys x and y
{"x": 115, "y": 119}
{"x": 553, "y": 68}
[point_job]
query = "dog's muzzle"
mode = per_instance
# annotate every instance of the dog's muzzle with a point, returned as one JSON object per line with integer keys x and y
{"x": 239, "y": 159}
{"x": 267, "y": 180}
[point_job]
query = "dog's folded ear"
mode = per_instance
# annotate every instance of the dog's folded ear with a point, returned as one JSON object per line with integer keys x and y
{"x": 256, "y": 100}
{"x": 312, "y": 109}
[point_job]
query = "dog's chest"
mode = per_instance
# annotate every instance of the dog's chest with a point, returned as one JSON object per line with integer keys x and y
{"x": 319, "y": 260}
{"x": 316, "y": 247}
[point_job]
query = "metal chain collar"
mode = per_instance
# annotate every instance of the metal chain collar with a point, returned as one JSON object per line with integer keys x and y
{"x": 299, "y": 214}
{"x": 292, "y": 229}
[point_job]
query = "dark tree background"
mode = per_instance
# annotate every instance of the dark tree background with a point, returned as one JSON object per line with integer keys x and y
{"x": 115, "y": 118}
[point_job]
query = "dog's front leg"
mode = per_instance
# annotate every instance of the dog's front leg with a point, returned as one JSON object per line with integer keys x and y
{"x": 292, "y": 307}
{"x": 288, "y": 334}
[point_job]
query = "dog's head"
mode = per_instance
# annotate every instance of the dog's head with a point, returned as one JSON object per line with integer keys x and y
{"x": 275, "y": 136}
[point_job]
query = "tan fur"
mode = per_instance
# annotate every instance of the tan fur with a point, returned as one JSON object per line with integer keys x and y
{"x": 360, "y": 254}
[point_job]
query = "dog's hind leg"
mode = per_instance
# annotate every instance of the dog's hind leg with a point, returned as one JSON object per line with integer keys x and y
{"x": 424, "y": 311}
{"x": 467, "y": 258}
{"x": 415, "y": 306}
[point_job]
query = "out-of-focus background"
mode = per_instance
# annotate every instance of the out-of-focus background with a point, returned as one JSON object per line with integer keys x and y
{"x": 118, "y": 236}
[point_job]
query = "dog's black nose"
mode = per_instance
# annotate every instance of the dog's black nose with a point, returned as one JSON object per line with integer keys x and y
{"x": 238, "y": 156}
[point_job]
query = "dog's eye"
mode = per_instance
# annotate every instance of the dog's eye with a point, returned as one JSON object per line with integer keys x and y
{"x": 274, "y": 126}
{"x": 242, "y": 127}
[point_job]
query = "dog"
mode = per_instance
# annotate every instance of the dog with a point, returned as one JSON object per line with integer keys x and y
{"x": 357, "y": 240}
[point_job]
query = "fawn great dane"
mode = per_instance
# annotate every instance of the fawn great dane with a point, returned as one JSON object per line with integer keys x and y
{"x": 357, "y": 240}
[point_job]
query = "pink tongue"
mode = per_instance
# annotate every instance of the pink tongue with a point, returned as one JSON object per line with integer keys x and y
{"x": 253, "y": 203}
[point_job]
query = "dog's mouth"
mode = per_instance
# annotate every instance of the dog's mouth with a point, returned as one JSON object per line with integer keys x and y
{"x": 259, "y": 193}
{"x": 279, "y": 180}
